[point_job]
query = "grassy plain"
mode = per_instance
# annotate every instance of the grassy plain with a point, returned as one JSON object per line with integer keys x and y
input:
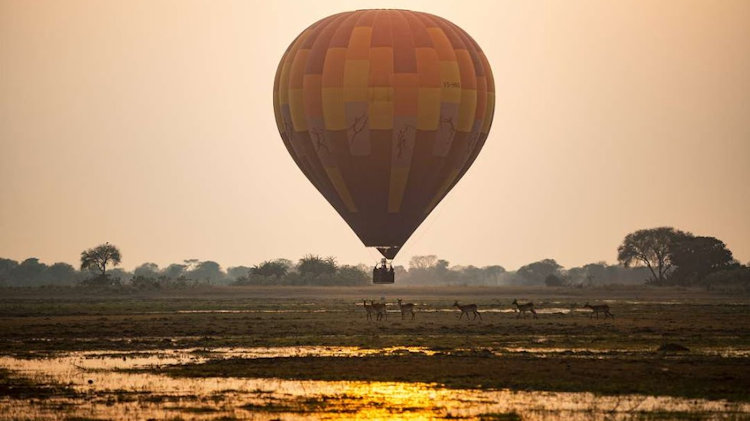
{"x": 563, "y": 350}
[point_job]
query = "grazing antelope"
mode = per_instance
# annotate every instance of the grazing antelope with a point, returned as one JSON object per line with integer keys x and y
{"x": 521, "y": 309}
{"x": 368, "y": 309}
{"x": 379, "y": 309}
{"x": 601, "y": 308}
{"x": 406, "y": 309}
{"x": 466, "y": 309}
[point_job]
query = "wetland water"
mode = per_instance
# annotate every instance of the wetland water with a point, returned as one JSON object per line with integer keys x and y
{"x": 311, "y": 353}
{"x": 103, "y": 387}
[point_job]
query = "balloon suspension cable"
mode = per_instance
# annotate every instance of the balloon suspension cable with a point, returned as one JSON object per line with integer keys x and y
{"x": 389, "y": 252}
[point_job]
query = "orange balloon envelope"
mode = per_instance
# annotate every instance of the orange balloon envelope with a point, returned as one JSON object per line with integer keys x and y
{"x": 384, "y": 111}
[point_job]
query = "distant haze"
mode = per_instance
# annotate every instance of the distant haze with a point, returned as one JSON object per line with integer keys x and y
{"x": 149, "y": 124}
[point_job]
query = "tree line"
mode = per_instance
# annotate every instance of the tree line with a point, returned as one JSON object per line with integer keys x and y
{"x": 429, "y": 270}
{"x": 98, "y": 268}
{"x": 674, "y": 257}
{"x": 657, "y": 256}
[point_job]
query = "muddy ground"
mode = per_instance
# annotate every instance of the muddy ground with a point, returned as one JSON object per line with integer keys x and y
{"x": 563, "y": 350}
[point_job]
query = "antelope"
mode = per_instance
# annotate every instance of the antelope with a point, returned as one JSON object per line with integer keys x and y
{"x": 379, "y": 309}
{"x": 368, "y": 309}
{"x": 521, "y": 309}
{"x": 406, "y": 309}
{"x": 601, "y": 308}
{"x": 466, "y": 309}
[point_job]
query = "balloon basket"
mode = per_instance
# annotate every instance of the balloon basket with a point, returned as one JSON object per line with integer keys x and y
{"x": 383, "y": 275}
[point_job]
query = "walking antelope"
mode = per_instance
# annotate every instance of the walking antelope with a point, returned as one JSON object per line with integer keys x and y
{"x": 368, "y": 309}
{"x": 601, "y": 308}
{"x": 406, "y": 309}
{"x": 379, "y": 310}
{"x": 523, "y": 308}
{"x": 466, "y": 309}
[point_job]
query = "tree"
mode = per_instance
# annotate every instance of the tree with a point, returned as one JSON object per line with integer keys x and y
{"x": 7, "y": 266}
{"x": 352, "y": 275}
{"x": 99, "y": 257}
{"x": 209, "y": 271}
{"x": 736, "y": 278}
{"x": 492, "y": 274}
{"x": 577, "y": 276}
{"x": 29, "y": 272}
{"x": 441, "y": 266}
{"x": 313, "y": 265}
{"x": 118, "y": 274}
{"x": 175, "y": 271}
{"x": 61, "y": 274}
{"x": 286, "y": 262}
{"x": 191, "y": 264}
{"x": 237, "y": 272}
{"x": 695, "y": 258}
{"x": 537, "y": 272}
{"x": 597, "y": 273}
{"x": 422, "y": 262}
{"x": 147, "y": 271}
{"x": 274, "y": 269}
{"x": 651, "y": 248}
{"x": 553, "y": 280}
{"x": 494, "y": 270}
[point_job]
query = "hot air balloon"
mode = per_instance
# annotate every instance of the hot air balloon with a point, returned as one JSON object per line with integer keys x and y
{"x": 384, "y": 111}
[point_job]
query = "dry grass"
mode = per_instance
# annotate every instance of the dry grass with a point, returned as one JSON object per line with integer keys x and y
{"x": 611, "y": 357}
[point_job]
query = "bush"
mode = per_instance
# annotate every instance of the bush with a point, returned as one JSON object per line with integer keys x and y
{"x": 733, "y": 279}
{"x": 144, "y": 282}
{"x": 343, "y": 275}
{"x": 101, "y": 281}
{"x": 553, "y": 280}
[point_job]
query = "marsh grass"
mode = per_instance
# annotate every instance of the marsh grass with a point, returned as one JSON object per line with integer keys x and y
{"x": 503, "y": 416}
{"x": 15, "y": 386}
{"x": 558, "y": 352}
{"x": 708, "y": 377}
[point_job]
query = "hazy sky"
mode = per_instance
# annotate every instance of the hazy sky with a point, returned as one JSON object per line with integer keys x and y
{"x": 149, "y": 124}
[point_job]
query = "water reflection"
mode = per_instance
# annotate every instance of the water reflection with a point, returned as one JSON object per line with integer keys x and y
{"x": 391, "y": 308}
{"x": 104, "y": 392}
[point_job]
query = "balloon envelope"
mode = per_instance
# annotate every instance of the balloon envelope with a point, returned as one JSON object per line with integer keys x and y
{"x": 384, "y": 111}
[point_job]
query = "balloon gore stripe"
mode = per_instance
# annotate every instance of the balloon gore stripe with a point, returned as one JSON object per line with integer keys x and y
{"x": 384, "y": 111}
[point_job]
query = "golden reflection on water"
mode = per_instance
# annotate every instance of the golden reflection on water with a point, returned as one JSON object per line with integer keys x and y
{"x": 104, "y": 392}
